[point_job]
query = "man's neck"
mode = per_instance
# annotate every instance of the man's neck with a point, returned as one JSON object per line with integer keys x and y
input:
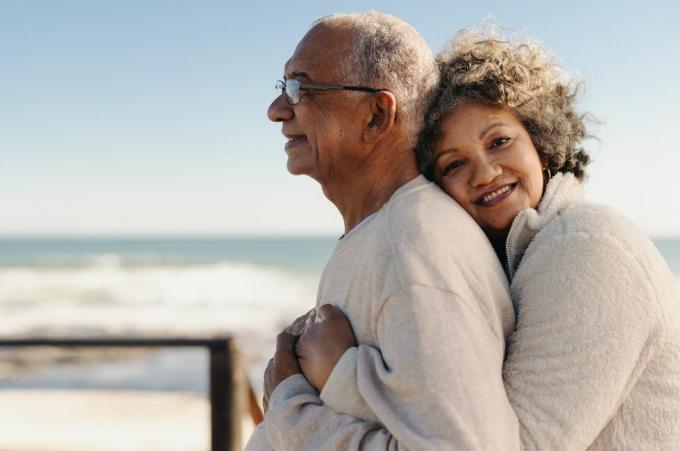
{"x": 362, "y": 194}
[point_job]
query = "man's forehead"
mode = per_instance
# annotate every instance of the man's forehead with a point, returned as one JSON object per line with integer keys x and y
{"x": 317, "y": 53}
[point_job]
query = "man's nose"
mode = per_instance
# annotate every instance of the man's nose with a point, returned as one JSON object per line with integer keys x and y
{"x": 485, "y": 171}
{"x": 280, "y": 110}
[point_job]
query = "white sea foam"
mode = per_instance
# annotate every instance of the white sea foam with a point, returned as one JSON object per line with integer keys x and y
{"x": 108, "y": 297}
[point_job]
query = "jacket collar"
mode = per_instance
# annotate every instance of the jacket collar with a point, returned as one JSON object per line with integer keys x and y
{"x": 562, "y": 190}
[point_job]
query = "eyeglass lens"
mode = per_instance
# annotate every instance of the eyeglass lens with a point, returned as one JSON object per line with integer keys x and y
{"x": 291, "y": 88}
{"x": 293, "y": 91}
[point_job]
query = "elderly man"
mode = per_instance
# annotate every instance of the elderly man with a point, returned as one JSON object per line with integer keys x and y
{"x": 413, "y": 273}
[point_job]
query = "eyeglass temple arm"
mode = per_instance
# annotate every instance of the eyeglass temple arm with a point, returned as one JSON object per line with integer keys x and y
{"x": 361, "y": 88}
{"x": 343, "y": 87}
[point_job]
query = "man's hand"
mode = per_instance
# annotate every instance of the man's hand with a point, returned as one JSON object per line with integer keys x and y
{"x": 284, "y": 363}
{"x": 301, "y": 322}
{"x": 323, "y": 343}
{"x": 282, "y": 366}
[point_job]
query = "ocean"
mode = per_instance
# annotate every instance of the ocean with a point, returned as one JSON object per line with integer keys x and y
{"x": 246, "y": 287}
{"x": 155, "y": 286}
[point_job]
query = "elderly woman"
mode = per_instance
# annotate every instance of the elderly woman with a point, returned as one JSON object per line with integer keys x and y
{"x": 595, "y": 360}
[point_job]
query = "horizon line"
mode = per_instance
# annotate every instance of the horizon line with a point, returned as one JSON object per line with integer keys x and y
{"x": 202, "y": 235}
{"x": 163, "y": 235}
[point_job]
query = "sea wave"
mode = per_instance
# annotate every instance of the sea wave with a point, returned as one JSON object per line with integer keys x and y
{"x": 109, "y": 297}
{"x": 125, "y": 259}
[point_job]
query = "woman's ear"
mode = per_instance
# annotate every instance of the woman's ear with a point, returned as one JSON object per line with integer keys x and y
{"x": 384, "y": 114}
{"x": 545, "y": 169}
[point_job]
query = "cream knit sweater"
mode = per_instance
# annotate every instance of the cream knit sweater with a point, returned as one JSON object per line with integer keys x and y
{"x": 595, "y": 361}
{"x": 429, "y": 304}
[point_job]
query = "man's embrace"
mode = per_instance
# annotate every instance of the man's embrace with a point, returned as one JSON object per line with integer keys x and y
{"x": 417, "y": 278}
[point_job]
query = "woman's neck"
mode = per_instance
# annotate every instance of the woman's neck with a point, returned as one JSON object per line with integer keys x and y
{"x": 498, "y": 243}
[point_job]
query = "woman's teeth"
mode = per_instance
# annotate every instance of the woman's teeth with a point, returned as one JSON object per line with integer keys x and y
{"x": 491, "y": 196}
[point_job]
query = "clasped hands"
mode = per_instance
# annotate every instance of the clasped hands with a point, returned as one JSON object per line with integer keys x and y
{"x": 311, "y": 345}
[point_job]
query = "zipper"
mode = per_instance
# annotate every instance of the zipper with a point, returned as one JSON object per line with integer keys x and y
{"x": 507, "y": 243}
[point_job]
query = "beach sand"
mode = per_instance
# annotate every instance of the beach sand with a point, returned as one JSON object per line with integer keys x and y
{"x": 103, "y": 420}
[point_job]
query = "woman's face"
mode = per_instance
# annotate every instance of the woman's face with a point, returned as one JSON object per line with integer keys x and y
{"x": 486, "y": 161}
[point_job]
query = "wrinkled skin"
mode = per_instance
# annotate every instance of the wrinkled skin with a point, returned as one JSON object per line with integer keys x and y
{"x": 323, "y": 343}
{"x": 284, "y": 363}
{"x": 311, "y": 345}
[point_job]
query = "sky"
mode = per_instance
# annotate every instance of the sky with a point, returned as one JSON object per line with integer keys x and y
{"x": 149, "y": 117}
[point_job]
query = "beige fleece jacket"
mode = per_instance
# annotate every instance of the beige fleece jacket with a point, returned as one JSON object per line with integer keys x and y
{"x": 595, "y": 361}
{"x": 429, "y": 304}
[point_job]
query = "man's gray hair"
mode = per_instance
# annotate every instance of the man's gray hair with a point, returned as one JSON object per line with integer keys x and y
{"x": 389, "y": 53}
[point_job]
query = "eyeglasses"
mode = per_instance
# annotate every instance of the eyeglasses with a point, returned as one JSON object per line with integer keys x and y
{"x": 291, "y": 88}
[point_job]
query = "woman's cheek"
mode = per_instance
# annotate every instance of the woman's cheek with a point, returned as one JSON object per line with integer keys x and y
{"x": 459, "y": 194}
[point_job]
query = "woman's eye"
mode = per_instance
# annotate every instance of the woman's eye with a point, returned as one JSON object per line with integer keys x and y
{"x": 455, "y": 164}
{"x": 497, "y": 142}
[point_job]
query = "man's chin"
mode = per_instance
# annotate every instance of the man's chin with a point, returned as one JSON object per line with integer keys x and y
{"x": 297, "y": 167}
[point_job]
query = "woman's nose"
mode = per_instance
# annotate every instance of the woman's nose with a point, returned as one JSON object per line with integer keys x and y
{"x": 485, "y": 171}
{"x": 279, "y": 110}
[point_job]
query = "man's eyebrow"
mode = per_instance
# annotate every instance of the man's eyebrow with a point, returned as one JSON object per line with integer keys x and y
{"x": 486, "y": 129}
{"x": 298, "y": 74}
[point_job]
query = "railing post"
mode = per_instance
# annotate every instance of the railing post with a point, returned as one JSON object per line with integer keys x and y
{"x": 226, "y": 391}
{"x": 228, "y": 384}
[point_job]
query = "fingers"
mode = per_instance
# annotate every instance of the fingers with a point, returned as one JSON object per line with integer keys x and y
{"x": 298, "y": 326}
{"x": 267, "y": 384}
{"x": 285, "y": 342}
{"x": 311, "y": 318}
{"x": 285, "y": 359}
{"x": 328, "y": 311}
{"x": 302, "y": 322}
{"x": 285, "y": 355}
{"x": 268, "y": 370}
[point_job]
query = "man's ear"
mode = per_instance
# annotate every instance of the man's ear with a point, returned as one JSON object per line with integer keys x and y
{"x": 384, "y": 113}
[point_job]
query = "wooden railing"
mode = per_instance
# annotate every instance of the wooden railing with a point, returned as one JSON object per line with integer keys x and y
{"x": 230, "y": 391}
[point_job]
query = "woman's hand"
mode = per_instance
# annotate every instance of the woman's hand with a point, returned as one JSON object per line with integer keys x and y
{"x": 323, "y": 343}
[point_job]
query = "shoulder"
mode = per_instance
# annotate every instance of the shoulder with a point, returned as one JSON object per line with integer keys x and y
{"x": 434, "y": 243}
{"x": 589, "y": 248}
{"x": 601, "y": 225}
{"x": 424, "y": 223}
{"x": 597, "y": 228}
{"x": 426, "y": 213}
{"x": 600, "y": 220}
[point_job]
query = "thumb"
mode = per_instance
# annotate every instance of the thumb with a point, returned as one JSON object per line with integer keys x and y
{"x": 328, "y": 311}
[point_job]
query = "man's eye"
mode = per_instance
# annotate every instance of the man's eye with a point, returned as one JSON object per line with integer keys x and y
{"x": 497, "y": 142}
{"x": 306, "y": 93}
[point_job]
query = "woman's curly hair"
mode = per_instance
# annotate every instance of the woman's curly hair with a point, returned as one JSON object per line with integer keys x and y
{"x": 476, "y": 66}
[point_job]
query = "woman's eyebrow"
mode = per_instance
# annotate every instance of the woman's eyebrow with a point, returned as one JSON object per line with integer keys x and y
{"x": 489, "y": 127}
{"x": 439, "y": 154}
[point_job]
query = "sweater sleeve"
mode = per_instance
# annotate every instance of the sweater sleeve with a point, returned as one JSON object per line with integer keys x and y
{"x": 341, "y": 392}
{"x": 588, "y": 323}
{"x": 435, "y": 384}
{"x": 258, "y": 440}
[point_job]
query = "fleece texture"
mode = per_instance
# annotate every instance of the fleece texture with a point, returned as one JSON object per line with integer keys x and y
{"x": 595, "y": 361}
{"x": 430, "y": 307}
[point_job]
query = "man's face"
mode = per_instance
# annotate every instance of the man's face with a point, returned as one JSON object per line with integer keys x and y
{"x": 324, "y": 129}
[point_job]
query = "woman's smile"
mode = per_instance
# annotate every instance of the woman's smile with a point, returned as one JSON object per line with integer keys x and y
{"x": 496, "y": 196}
